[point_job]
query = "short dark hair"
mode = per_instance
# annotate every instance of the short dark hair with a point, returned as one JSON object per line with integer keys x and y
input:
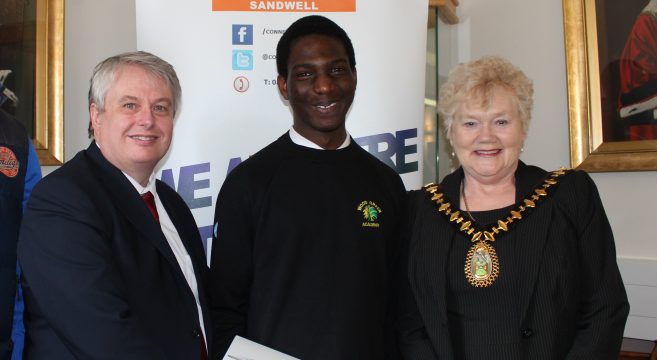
{"x": 311, "y": 25}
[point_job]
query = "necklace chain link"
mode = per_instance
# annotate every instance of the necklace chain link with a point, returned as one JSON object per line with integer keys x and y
{"x": 482, "y": 253}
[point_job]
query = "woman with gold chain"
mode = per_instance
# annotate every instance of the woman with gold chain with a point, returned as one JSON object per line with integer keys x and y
{"x": 506, "y": 260}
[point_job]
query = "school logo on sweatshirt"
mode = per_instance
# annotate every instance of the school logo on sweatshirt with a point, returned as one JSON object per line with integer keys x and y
{"x": 8, "y": 163}
{"x": 371, "y": 213}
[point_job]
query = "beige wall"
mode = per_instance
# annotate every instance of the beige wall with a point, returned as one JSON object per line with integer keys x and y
{"x": 93, "y": 30}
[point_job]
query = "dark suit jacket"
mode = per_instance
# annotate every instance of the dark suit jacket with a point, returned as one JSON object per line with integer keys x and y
{"x": 100, "y": 279}
{"x": 573, "y": 304}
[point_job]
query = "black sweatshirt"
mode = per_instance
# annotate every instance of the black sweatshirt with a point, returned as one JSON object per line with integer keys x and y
{"x": 304, "y": 252}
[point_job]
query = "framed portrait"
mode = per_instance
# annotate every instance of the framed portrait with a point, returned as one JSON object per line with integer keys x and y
{"x": 32, "y": 72}
{"x": 611, "y": 63}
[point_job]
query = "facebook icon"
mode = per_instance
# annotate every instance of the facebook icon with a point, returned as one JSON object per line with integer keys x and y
{"x": 242, "y": 34}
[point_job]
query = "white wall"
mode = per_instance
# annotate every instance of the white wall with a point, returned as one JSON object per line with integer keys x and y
{"x": 93, "y": 30}
{"x": 530, "y": 34}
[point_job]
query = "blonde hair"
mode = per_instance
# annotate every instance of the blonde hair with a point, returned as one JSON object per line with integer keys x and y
{"x": 476, "y": 82}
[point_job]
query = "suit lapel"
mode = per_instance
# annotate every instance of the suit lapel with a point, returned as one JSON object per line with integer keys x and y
{"x": 431, "y": 266}
{"x": 532, "y": 234}
{"x": 129, "y": 203}
{"x": 432, "y": 255}
{"x": 450, "y": 186}
{"x": 190, "y": 237}
{"x": 428, "y": 269}
{"x": 446, "y": 235}
{"x": 187, "y": 231}
{"x": 178, "y": 219}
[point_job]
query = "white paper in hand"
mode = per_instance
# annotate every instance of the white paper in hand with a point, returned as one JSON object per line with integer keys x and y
{"x": 244, "y": 349}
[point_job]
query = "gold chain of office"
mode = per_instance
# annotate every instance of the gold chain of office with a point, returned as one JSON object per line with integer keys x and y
{"x": 482, "y": 265}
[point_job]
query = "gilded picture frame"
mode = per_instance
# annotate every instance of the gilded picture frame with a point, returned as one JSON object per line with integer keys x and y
{"x": 49, "y": 82}
{"x": 589, "y": 150}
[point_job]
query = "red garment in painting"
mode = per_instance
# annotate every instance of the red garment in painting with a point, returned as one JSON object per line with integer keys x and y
{"x": 637, "y": 100}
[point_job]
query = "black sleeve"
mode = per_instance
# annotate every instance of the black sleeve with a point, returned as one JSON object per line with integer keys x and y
{"x": 231, "y": 264}
{"x": 413, "y": 340}
{"x": 604, "y": 306}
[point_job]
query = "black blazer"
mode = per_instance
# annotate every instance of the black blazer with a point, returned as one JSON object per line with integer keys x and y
{"x": 573, "y": 302}
{"x": 100, "y": 279}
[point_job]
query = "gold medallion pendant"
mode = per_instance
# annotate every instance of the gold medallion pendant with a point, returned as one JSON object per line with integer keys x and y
{"x": 481, "y": 265}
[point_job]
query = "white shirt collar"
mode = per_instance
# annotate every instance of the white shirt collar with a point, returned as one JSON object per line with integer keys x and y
{"x": 302, "y": 141}
{"x": 143, "y": 189}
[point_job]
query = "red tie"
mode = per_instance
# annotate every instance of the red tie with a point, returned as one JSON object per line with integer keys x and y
{"x": 204, "y": 351}
{"x": 149, "y": 199}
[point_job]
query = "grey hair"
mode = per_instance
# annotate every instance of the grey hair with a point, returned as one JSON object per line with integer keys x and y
{"x": 104, "y": 75}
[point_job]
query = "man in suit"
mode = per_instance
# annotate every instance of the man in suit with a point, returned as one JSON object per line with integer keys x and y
{"x": 112, "y": 260}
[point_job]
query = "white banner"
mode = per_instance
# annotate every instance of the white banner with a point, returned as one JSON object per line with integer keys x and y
{"x": 224, "y": 53}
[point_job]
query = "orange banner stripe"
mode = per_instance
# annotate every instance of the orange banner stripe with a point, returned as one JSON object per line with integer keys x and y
{"x": 285, "y": 5}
